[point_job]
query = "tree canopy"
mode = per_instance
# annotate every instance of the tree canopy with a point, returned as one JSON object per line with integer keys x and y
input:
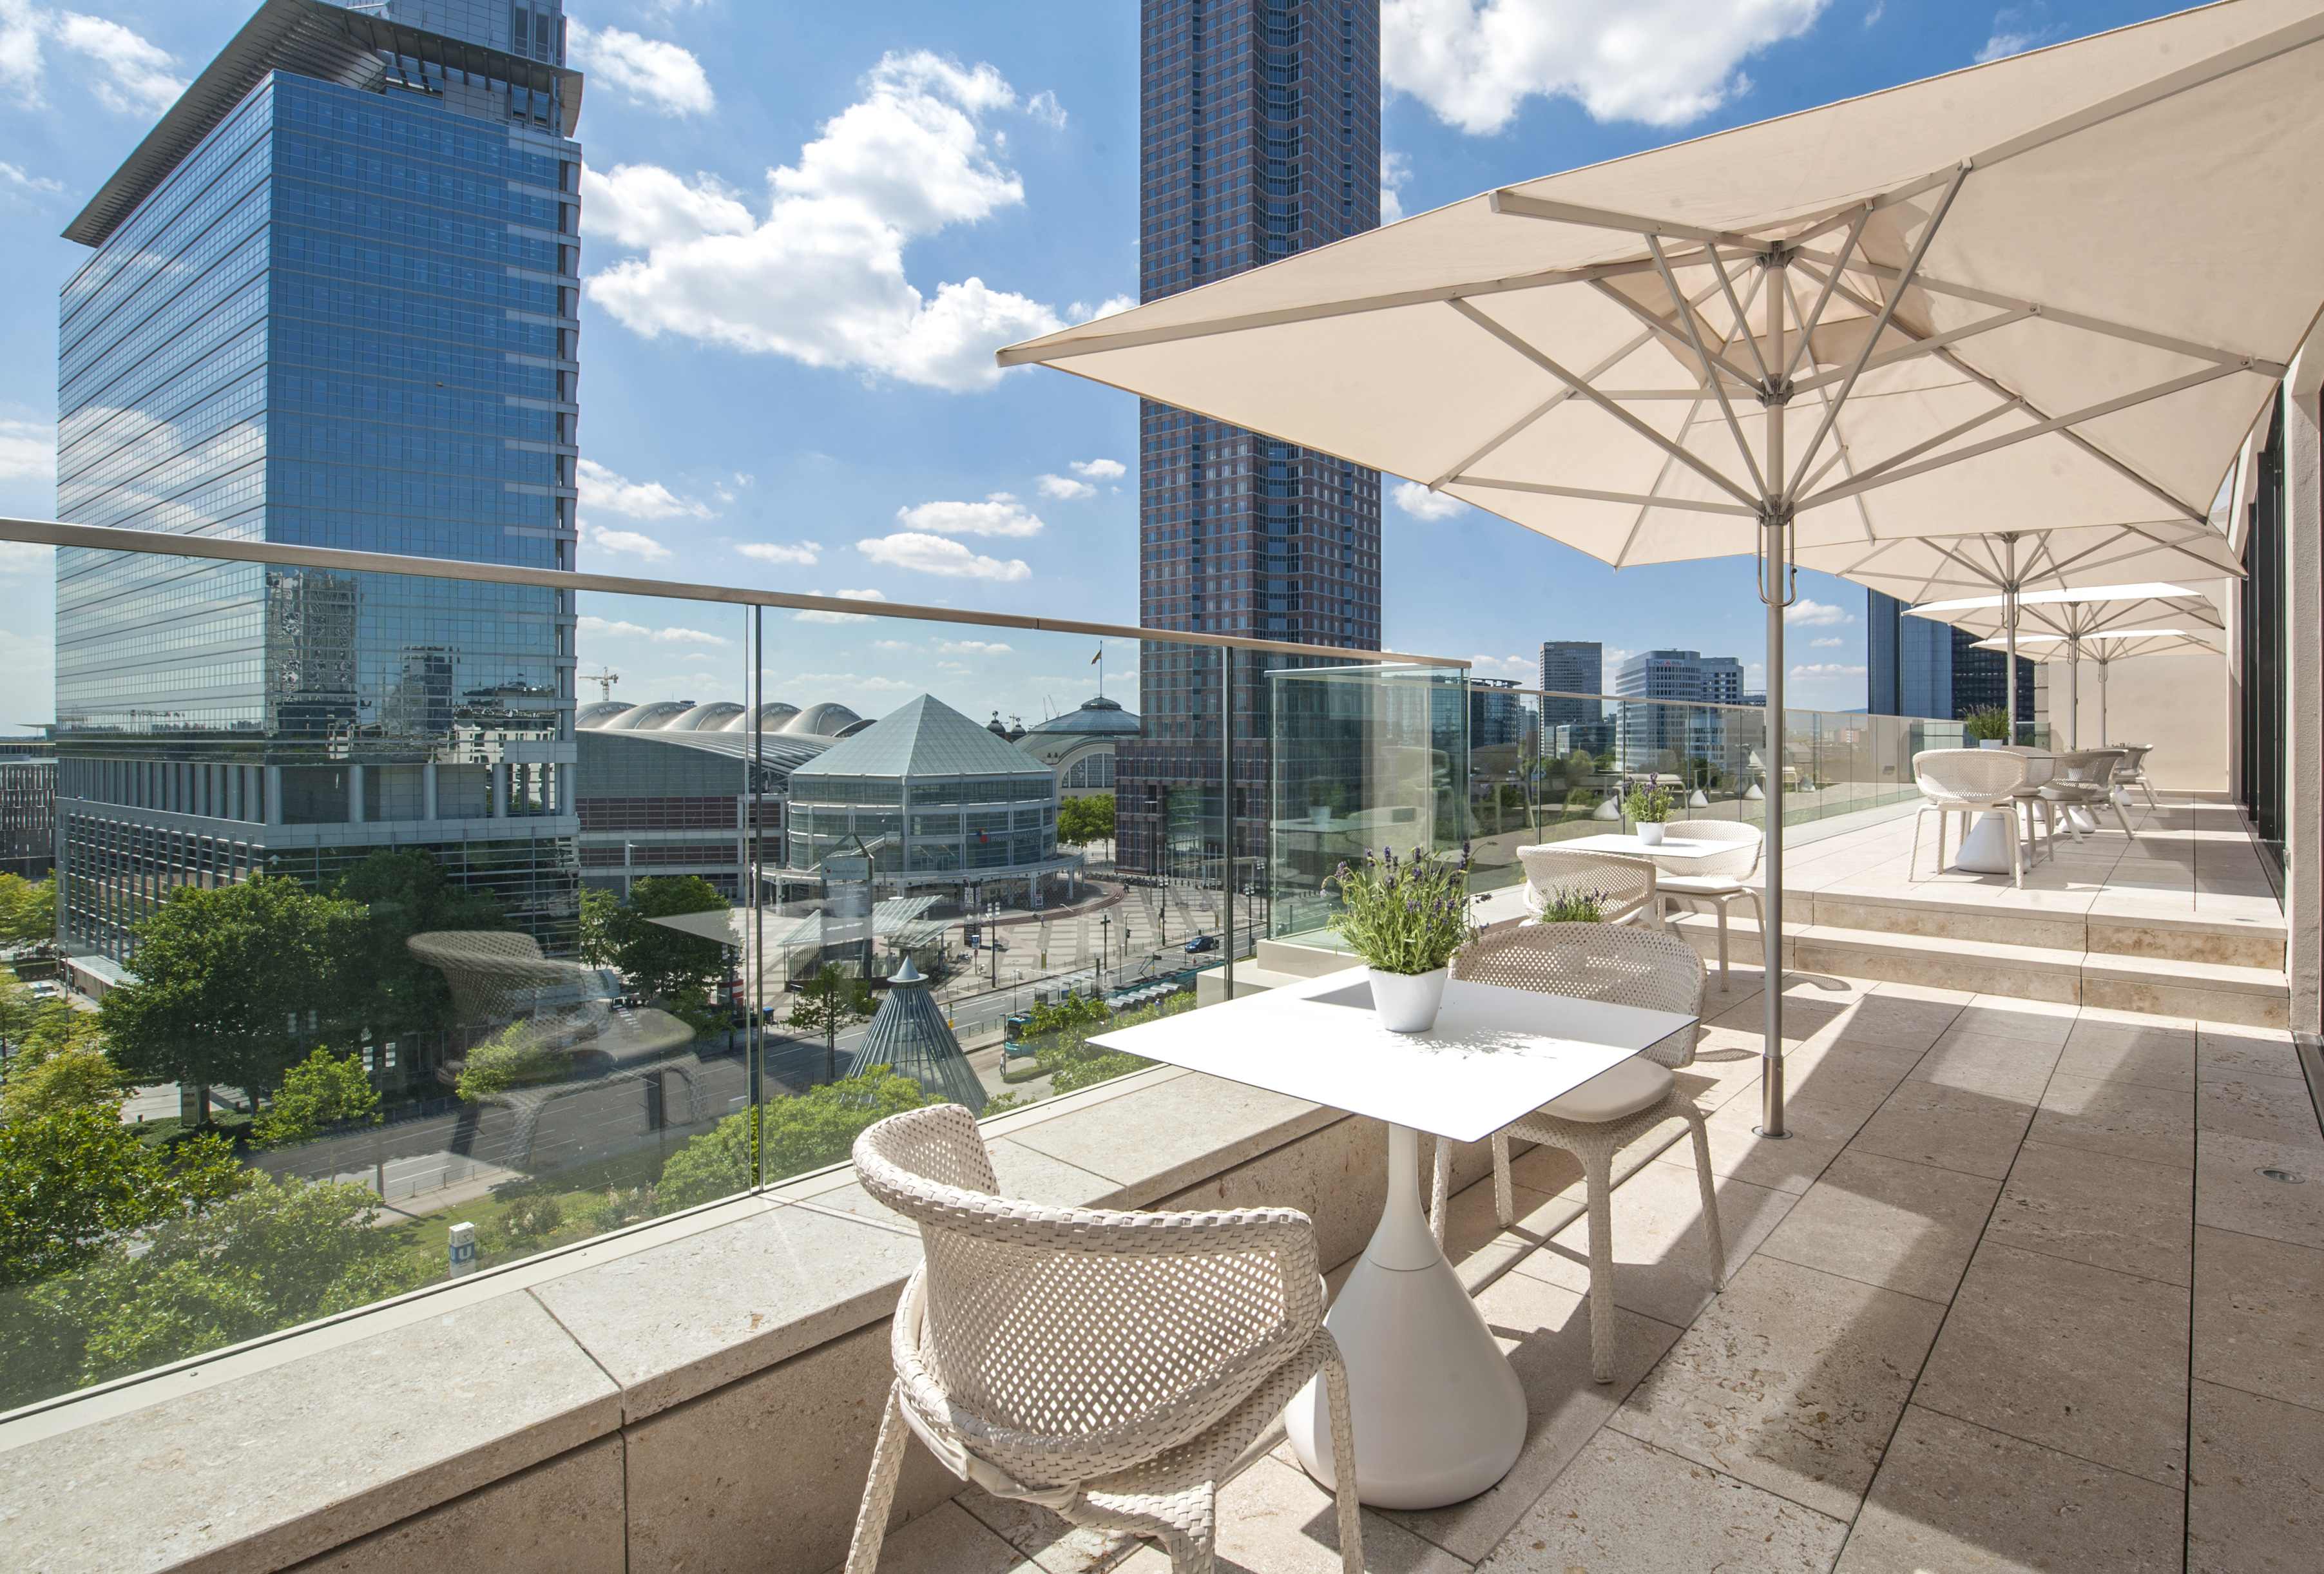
{"x": 1085, "y": 820}
{"x": 381, "y": 985}
{"x": 321, "y": 1092}
{"x": 804, "y": 1132}
{"x": 28, "y": 910}
{"x": 655, "y": 958}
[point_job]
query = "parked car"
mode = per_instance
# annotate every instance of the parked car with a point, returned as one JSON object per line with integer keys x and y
{"x": 1201, "y": 943}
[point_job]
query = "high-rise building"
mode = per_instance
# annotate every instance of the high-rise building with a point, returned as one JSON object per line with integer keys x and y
{"x": 329, "y": 301}
{"x": 1919, "y": 667}
{"x": 1496, "y": 712}
{"x": 1570, "y": 668}
{"x": 1260, "y": 138}
{"x": 1664, "y": 736}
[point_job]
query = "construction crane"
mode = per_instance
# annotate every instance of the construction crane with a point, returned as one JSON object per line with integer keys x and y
{"x": 604, "y": 678}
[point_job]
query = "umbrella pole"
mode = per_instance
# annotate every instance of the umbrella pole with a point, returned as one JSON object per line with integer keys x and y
{"x": 1776, "y": 570}
{"x": 2102, "y": 721}
{"x": 2009, "y": 628}
{"x": 2073, "y": 694}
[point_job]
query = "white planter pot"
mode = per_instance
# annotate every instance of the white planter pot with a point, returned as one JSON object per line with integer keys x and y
{"x": 1993, "y": 743}
{"x": 1651, "y": 832}
{"x": 1319, "y": 816}
{"x": 1407, "y": 1003}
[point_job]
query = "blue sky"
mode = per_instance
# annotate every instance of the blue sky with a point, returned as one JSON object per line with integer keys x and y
{"x": 808, "y": 226}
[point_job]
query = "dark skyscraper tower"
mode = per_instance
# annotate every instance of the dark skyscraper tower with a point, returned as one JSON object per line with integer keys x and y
{"x": 1260, "y": 138}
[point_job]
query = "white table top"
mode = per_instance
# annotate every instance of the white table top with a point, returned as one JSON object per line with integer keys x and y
{"x": 1631, "y": 847}
{"x": 1495, "y": 1053}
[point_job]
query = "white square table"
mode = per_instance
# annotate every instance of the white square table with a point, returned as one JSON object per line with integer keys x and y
{"x": 1439, "y": 1413}
{"x": 1678, "y": 849}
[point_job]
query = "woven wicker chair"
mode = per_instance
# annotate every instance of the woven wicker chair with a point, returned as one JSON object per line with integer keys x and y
{"x": 1717, "y": 880}
{"x": 2132, "y": 771}
{"x": 2040, "y": 813}
{"x": 1114, "y": 1367}
{"x": 2092, "y": 790}
{"x": 1969, "y": 782}
{"x": 1613, "y": 1110}
{"x": 1625, "y": 888}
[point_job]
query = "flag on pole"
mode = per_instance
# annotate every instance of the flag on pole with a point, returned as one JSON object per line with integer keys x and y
{"x": 1099, "y": 656}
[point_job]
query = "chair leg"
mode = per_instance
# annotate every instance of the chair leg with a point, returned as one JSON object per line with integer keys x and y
{"x": 2017, "y": 856}
{"x": 1504, "y": 1200}
{"x": 1440, "y": 1188}
{"x": 1944, "y": 819}
{"x": 1912, "y": 865}
{"x": 1714, "y": 1237}
{"x": 1721, "y": 906}
{"x": 2120, "y": 818}
{"x": 2148, "y": 789}
{"x": 1343, "y": 1462}
{"x": 1770, "y": 945}
{"x": 1193, "y": 1549}
{"x": 1597, "y": 1181}
{"x": 879, "y": 1491}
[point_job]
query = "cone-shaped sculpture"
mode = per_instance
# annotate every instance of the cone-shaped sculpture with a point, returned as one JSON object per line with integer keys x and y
{"x": 910, "y": 1035}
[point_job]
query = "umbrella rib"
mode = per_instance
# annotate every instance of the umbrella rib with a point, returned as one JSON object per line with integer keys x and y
{"x": 1654, "y": 492}
{"x": 1750, "y": 341}
{"x": 1667, "y": 332}
{"x": 1513, "y": 204}
{"x": 1645, "y": 499}
{"x": 1710, "y": 373}
{"x": 1814, "y": 319}
{"x": 1581, "y": 385}
{"x": 1918, "y": 346}
{"x": 1888, "y": 472}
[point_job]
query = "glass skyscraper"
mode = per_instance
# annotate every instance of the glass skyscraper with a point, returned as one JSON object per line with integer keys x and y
{"x": 1919, "y": 667}
{"x": 1570, "y": 668}
{"x": 330, "y": 301}
{"x": 1260, "y": 138}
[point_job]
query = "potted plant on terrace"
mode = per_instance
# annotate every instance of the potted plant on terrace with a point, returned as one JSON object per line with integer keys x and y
{"x": 1648, "y": 807}
{"x": 1408, "y": 918}
{"x": 1988, "y": 724}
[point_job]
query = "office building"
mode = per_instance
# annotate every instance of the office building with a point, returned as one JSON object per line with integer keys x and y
{"x": 1569, "y": 667}
{"x": 1665, "y": 736}
{"x": 1919, "y": 667}
{"x": 329, "y": 301}
{"x": 1498, "y": 717}
{"x": 28, "y": 806}
{"x": 1082, "y": 745}
{"x": 1260, "y": 138}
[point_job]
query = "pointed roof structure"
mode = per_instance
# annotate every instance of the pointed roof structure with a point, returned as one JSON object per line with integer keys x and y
{"x": 909, "y": 1035}
{"x": 925, "y": 738}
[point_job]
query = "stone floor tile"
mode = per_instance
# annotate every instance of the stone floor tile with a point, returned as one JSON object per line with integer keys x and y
{"x": 2255, "y": 1484}
{"x": 2099, "y": 1029}
{"x": 2094, "y": 1208}
{"x": 2226, "y": 1051}
{"x": 1659, "y": 1267}
{"x": 1954, "y": 1498}
{"x": 2231, "y": 1192}
{"x": 1949, "y": 1127}
{"x": 1053, "y": 1546}
{"x": 1927, "y": 993}
{"x": 1274, "y": 1520}
{"x": 1886, "y": 1222}
{"x": 1845, "y": 1080}
{"x": 2085, "y": 1360}
{"x": 950, "y": 1540}
{"x": 2125, "y": 1120}
{"x": 1982, "y": 1062}
{"x": 1624, "y": 1507}
{"x": 1791, "y": 1380}
{"x": 2160, "y": 1058}
{"x": 1818, "y": 1132}
{"x": 1546, "y": 1330}
{"x": 2273, "y": 1109}
{"x": 2256, "y": 1316}
{"x": 2007, "y": 1016}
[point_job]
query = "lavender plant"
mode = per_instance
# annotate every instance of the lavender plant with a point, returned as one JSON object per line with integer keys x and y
{"x": 1404, "y": 915}
{"x": 1649, "y": 805}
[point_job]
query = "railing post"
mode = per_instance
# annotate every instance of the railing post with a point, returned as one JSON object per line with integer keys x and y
{"x": 1226, "y": 807}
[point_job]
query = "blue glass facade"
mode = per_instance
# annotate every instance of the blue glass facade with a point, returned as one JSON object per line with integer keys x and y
{"x": 1918, "y": 667}
{"x": 345, "y": 318}
{"x": 1260, "y": 138}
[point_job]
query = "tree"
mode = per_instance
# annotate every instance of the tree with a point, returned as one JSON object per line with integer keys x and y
{"x": 76, "y": 1076}
{"x": 232, "y": 984}
{"x": 828, "y": 1001}
{"x": 1082, "y": 820}
{"x": 512, "y": 1058}
{"x": 379, "y": 984}
{"x": 599, "y": 943}
{"x": 804, "y": 1132}
{"x": 658, "y": 959}
{"x": 321, "y": 1091}
{"x": 74, "y": 1180}
{"x": 28, "y": 910}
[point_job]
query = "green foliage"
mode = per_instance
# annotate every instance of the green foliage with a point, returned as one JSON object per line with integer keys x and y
{"x": 598, "y": 945}
{"x": 376, "y": 982}
{"x": 319, "y": 1092}
{"x": 1649, "y": 805}
{"x": 804, "y": 1132}
{"x": 1572, "y": 907}
{"x": 657, "y": 958}
{"x": 76, "y": 1076}
{"x": 1082, "y": 820}
{"x": 74, "y": 1180}
{"x": 830, "y": 1000}
{"x": 1582, "y": 798}
{"x": 514, "y": 1057}
{"x": 233, "y": 983}
{"x": 1061, "y": 1031}
{"x": 1407, "y": 915}
{"x": 1987, "y": 723}
{"x": 28, "y": 910}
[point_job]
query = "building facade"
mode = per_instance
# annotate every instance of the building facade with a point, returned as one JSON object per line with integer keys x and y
{"x": 1260, "y": 138}
{"x": 1665, "y": 736}
{"x": 1083, "y": 746}
{"x": 1919, "y": 667}
{"x": 28, "y": 806}
{"x": 1570, "y": 668}
{"x": 330, "y": 301}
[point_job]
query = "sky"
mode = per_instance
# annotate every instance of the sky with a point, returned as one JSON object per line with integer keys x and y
{"x": 807, "y": 229}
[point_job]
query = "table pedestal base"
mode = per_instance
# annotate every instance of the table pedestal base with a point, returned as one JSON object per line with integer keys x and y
{"x": 1985, "y": 849}
{"x": 1439, "y": 1413}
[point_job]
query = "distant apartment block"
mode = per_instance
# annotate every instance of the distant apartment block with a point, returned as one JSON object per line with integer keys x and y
{"x": 1663, "y": 736}
{"x": 1567, "y": 668}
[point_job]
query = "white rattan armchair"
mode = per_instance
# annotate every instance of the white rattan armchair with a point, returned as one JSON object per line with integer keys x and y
{"x": 1115, "y": 1367}
{"x": 1625, "y": 888}
{"x": 2090, "y": 788}
{"x": 1721, "y": 878}
{"x": 2132, "y": 771}
{"x": 1969, "y": 782}
{"x": 2040, "y": 813}
{"x": 1598, "y": 1119}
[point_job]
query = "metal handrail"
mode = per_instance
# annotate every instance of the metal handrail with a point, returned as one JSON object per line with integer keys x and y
{"x": 1615, "y": 699}
{"x": 162, "y": 543}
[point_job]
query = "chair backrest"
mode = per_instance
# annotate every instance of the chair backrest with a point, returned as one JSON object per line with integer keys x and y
{"x": 2133, "y": 759}
{"x": 2097, "y": 765}
{"x": 2040, "y": 765}
{"x": 1072, "y": 1342}
{"x": 1622, "y": 886}
{"x": 1970, "y": 776}
{"x": 1594, "y": 962}
{"x": 1740, "y": 856}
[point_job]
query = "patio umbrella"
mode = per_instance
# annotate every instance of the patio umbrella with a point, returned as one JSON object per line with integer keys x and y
{"x": 2071, "y": 616}
{"x": 2055, "y": 287}
{"x": 2106, "y": 647}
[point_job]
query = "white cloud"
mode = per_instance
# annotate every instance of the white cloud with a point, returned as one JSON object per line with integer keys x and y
{"x": 893, "y": 645}
{"x": 971, "y": 647}
{"x": 925, "y": 554}
{"x": 617, "y": 629}
{"x": 1099, "y": 469}
{"x": 1825, "y": 669}
{"x": 1517, "y": 667}
{"x": 841, "y": 616}
{"x": 25, "y": 556}
{"x": 649, "y": 71}
{"x": 1827, "y": 644}
{"x": 1878, "y": 9}
{"x": 999, "y": 514}
{"x": 819, "y": 276}
{"x": 28, "y": 450}
{"x": 602, "y": 488}
{"x": 644, "y": 204}
{"x": 1396, "y": 168}
{"x": 1082, "y": 311}
{"x": 1663, "y": 63}
{"x": 14, "y": 179}
{"x": 1063, "y": 486}
{"x": 824, "y": 682}
{"x": 1043, "y": 107}
{"x": 2015, "y": 30}
{"x": 795, "y": 555}
{"x": 628, "y": 543}
{"x": 132, "y": 76}
{"x": 1424, "y": 505}
{"x": 1806, "y": 613}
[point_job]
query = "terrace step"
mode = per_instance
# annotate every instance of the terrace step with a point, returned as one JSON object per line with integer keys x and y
{"x": 1306, "y": 961}
{"x": 2257, "y": 941}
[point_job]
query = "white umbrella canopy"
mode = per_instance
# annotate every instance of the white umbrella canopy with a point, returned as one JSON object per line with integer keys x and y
{"x": 2077, "y": 614}
{"x": 2105, "y": 647}
{"x": 2056, "y": 287}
